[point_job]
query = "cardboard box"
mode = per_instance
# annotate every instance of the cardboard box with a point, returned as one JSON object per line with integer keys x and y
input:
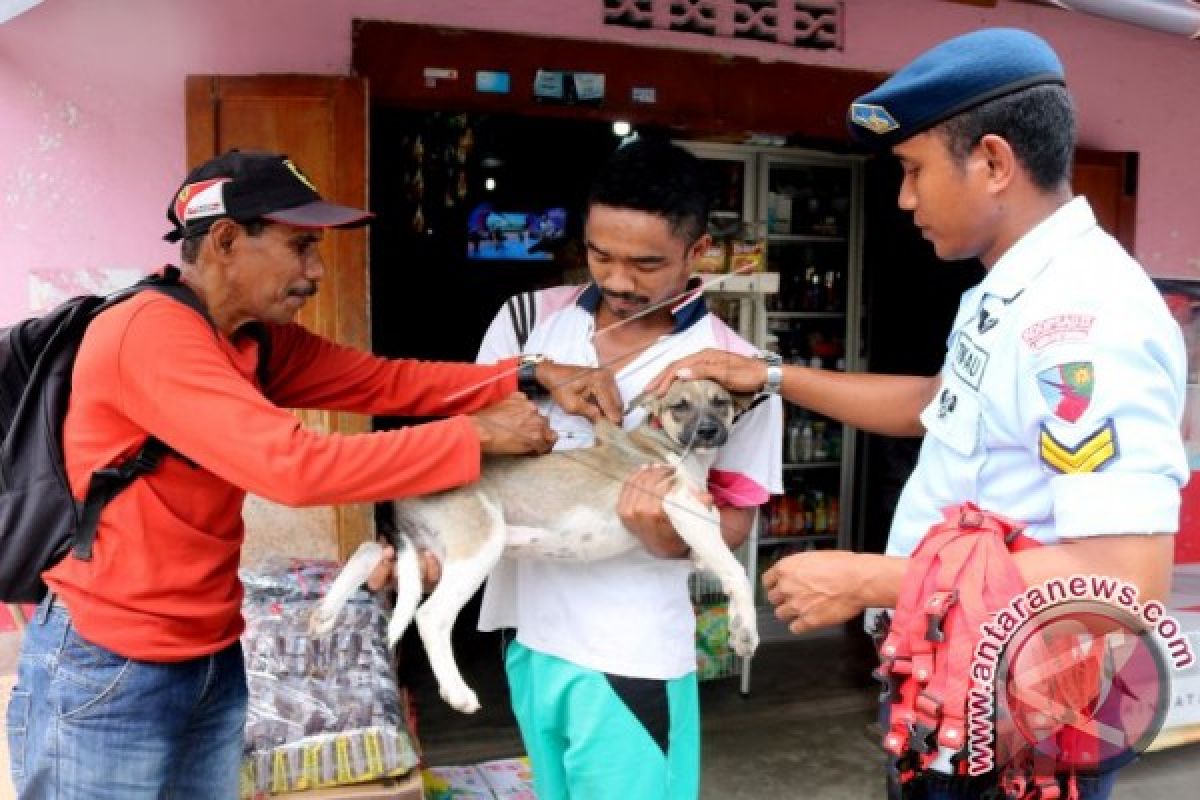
{"x": 407, "y": 787}
{"x": 714, "y": 259}
{"x": 748, "y": 256}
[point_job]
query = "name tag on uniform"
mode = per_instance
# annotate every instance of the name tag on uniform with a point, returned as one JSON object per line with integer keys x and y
{"x": 969, "y": 360}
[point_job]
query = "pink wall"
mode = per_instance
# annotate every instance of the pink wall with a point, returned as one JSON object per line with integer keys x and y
{"x": 92, "y": 138}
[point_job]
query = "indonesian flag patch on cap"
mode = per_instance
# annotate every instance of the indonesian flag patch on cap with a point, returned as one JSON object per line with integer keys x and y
{"x": 200, "y": 200}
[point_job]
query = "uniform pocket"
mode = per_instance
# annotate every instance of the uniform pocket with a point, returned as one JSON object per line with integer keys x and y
{"x": 87, "y": 674}
{"x": 954, "y": 417}
{"x": 18, "y": 725}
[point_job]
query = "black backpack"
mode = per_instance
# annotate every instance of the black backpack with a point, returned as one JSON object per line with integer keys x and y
{"x": 40, "y": 520}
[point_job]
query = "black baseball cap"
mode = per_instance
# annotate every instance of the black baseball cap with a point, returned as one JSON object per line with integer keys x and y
{"x": 249, "y": 186}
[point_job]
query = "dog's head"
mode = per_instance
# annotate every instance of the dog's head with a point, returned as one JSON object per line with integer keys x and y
{"x": 695, "y": 415}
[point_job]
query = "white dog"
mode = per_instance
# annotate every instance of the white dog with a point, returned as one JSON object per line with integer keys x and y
{"x": 557, "y": 506}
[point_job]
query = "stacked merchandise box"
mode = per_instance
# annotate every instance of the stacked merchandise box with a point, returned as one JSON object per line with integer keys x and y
{"x": 324, "y": 710}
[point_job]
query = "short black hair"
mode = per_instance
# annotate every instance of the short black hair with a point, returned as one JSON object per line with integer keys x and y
{"x": 1038, "y": 122}
{"x": 655, "y": 175}
{"x": 189, "y": 246}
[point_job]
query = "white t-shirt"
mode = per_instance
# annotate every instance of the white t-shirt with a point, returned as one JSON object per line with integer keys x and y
{"x": 1062, "y": 395}
{"x": 630, "y": 615}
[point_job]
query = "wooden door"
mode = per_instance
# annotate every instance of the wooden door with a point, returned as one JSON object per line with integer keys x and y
{"x": 321, "y": 123}
{"x": 1109, "y": 181}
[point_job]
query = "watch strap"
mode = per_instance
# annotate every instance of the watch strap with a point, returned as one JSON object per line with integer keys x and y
{"x": 527, "y": 381}
{"x": 774, "y": 380}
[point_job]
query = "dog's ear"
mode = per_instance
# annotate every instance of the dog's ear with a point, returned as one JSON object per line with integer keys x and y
{"x": 744, "y": 402}
{"x": 648, "y": 401}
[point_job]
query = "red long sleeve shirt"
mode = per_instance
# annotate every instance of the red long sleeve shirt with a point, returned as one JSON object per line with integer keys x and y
{"x": 163, "y": 583}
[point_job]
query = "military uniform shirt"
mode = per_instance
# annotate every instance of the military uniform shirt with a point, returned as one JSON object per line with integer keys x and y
{"x": 1061, "y": 397}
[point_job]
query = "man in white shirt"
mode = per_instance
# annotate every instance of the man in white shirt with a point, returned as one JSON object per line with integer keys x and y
{"x": 603, "y": 666}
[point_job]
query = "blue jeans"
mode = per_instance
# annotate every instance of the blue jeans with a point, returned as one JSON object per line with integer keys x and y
{"x": 87, "y": 724}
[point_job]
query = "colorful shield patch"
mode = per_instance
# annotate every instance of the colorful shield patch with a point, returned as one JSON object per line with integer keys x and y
{"x": 1068, "y": 389}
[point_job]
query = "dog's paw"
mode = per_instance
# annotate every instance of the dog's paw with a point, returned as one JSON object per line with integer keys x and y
{"x": 322, "y": 619}
{"x": 461, "y": 698}
{"x": 742, "y": 638}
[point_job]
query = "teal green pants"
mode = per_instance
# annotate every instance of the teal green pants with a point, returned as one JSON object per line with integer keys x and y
{"x": 592, "y": 736}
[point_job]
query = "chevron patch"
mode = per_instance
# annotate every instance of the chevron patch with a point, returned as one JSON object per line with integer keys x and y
{"x": 1096, "y": 451}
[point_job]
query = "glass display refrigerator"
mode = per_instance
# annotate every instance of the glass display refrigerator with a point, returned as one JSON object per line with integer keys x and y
{"x": 786, "y": 271}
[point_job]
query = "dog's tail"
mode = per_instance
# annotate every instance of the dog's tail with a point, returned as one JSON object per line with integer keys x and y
{"x": 408, "y": 587}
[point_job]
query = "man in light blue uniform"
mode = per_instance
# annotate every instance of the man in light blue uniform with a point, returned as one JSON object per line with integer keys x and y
{"x": 1062, "y": 393}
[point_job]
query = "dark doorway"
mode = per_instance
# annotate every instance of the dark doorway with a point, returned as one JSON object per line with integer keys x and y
{"x": 910, "y": 298}
{"x": 440, "y": 183}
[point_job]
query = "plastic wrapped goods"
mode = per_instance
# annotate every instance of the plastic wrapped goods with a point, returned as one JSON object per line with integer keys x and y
{"x": 324, "y": 710}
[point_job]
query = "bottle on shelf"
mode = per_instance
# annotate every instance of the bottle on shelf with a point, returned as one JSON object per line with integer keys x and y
{"x": 820, "y": 442}
{"x": 833, "y": 290}
{"x": 820, "y": 514}
{"x": 814, "y": 295}
{"x": 806, "y": 441}
{"x": 792, "y": 443}
{"x": 775, "y": 518}
{"x": 833, "y": 514}
{"x": 800, "y": 516}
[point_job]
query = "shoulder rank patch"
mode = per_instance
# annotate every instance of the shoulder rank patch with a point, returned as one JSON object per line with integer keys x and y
{"x": 1068, "y": 388}
{"x": 1095, "y": 452}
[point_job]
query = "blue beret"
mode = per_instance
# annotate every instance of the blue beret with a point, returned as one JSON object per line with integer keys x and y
{"x": 953, "y": 77}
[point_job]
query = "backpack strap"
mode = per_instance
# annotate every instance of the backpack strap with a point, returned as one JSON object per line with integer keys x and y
{"x": 522, "y": 311}
{"x": 106, "y": 484}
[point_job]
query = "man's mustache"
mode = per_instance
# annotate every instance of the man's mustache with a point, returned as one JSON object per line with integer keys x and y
{"x": 304, "y": 291}
{"x": 628, "y": 297}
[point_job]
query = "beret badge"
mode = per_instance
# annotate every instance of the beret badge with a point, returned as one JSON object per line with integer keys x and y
{"x": 874, "y": 118}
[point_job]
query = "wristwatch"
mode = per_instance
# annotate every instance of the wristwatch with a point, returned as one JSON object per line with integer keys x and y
{"x": 527, "y": 381}
{"x": 774, "y": 362}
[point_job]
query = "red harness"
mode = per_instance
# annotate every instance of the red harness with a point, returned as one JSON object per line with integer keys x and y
{"x": 960, "y": 575}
